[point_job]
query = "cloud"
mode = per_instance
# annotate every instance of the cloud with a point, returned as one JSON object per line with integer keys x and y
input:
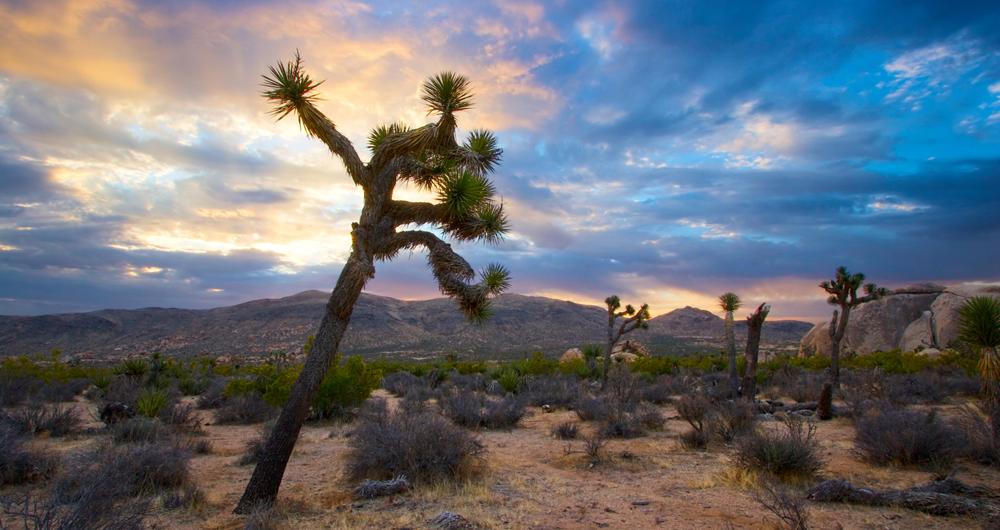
{"x": 664, "y": 153}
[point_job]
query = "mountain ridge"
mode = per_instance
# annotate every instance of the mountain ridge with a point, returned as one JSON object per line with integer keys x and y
{"x": 380, "y": 326}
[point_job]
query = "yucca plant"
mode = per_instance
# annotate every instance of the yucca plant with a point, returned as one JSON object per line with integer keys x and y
{"x": 843, "y": 291}
{"x": 730, "y": 302}
{"x": 979, "y": 327}
{"x": 150, "y": 402}
{"x": 631, "y": 320}
{"x": 465, "y": 210}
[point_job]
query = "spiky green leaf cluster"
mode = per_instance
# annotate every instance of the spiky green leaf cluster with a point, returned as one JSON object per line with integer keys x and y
{"x": 382, "y": 132}
{"x": 446, "y": 93}
{"x": 843, "y": 288}
{"x": 980, "y": 322}
{"x": 730, "y": 302}
{"x": 289, "y": 88}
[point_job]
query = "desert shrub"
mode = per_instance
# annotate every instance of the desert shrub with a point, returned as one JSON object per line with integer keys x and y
{"x": 800, "y": 385}
{"x": 140, "y": 429}
{"x": 980, "y": 446}
{"x": 187, "y": 496}
{"x": 254, "y": 447}
{"x": 789, "y": 452}
{"x": 509, "y": 379}
{"x": 591, "y": 408}
{"x": 243, "y": 410}
{"x": 61, "y": 391}
{"x": 661, "y": 389}
{"x": 788, "y": 507}
{"x": 344, "y": 387}
{"x": 119, "y": 472}
{"x": 15, "y": 390}
{"x": 55, "y": 420}
{"x": 134, "y": 368}
{"x": 123, "y": 390}
{"x": 906, "y": 437}
{"x": 556, "y": 391}
{"x": 593, "y": 447}
{"x": 19, "y": 463}
{"x": 695, "y": 410}
{"x": 649, "y": 416}
{"x": 423, "y": 447}
{"x": 732, "y": 419}
{"x": 213, "y": 397}
{"x": 622, "y": 426}
{"x": 474, "y": 382}
{"x": 95, "y": 509}
{"x": 190, "y": 386}
{"x": 566, "y": 430}
{"x": 150, "y": 402}
{"x": 401, "y": 383}
{"x": 181, "y": 416}
{"x": 265, "y": 517}
{"x": 475, "y": 410}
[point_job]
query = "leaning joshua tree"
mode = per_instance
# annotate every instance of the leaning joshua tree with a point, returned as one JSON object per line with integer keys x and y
{"x": 729, "y": 303}
{"x": 428, "y": 157}
{"x": 755, "y": 323}
{"x": 631, "y": 321}
{"x": 843, "y": 291}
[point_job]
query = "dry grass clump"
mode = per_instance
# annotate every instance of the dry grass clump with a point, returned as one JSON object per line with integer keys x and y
{"x": 567, "y": 430}
{"x": 554, "y": 391}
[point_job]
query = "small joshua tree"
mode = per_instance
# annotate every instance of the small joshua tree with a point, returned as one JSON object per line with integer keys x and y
{"x": 843, "y": 291}
{"x": 730, "y": 302}
{"x": 631, "y": 321}
{"x": 980, "y": 329}
{"x": 465, "y": 210}
{"x": 755, "y": 323}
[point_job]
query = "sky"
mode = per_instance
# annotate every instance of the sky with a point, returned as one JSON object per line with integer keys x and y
{"x": 664, "y": 151}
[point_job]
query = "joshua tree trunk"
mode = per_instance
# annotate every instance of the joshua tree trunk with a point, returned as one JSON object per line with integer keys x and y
{"x": 266, "y": 479}
{"x": 838, "y": 326}
{"x": 734, "y": 376}
{"x": 755, "y": 323}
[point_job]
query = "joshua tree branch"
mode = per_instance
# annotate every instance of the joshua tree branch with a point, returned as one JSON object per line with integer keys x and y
{"x": 321, "y": 127}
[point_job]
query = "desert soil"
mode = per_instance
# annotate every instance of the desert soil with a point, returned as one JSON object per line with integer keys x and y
{"x": 530, "y": 480}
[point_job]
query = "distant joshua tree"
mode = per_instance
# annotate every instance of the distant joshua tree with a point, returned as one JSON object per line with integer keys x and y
{"x": 843, "y": 291}
{"x": 729, "y": 303}
{"x": 632, "y": 320}
{"x": 465, "y": 210}
{"x": 755, "y": 324}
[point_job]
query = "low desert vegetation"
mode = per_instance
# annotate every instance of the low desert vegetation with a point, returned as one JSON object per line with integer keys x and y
{"x": 424, "y": 448}
{"x": 788, "y": 452}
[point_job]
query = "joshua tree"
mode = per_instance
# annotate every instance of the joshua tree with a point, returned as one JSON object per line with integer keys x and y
{"x": 729, "y": 303}
{"x": 632, "y": 320}
{"x": 980, "y": 329}
{"x": 428, "y": 157}
{"x": 843, "y": 291}
{"x": 755, "y": 323}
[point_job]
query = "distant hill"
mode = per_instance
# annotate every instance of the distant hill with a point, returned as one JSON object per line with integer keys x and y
{"x": 380, "y": 326}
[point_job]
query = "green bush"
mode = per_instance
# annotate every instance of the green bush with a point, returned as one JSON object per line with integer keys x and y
{"x": 508, "y": 379}
{"x": 346, "y": 386}
{"x": 151, "y": 401}
{"x": 133, "y": 368}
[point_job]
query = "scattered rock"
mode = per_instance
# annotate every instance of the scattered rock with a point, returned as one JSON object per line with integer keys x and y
{"x": 572, "y": 354}
{"x": 115, "y": 411}
{"x": 640, "y": 502}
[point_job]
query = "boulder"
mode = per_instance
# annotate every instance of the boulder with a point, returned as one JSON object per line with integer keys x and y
{"x": 624, "y": 357}
{"x": 946, "y": 306}
{"x": 919, "y": 334}
{"x": 571, "y": 355}
{"x": 630, "y": 346}
{"x": 933, "y": 353}
{"x": 918, "y": 317}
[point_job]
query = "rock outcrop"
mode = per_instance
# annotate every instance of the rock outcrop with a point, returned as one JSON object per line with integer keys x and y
{"x": 916, "y": 318}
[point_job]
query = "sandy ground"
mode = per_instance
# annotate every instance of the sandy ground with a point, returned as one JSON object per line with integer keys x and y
{"x": 530, "y": 481}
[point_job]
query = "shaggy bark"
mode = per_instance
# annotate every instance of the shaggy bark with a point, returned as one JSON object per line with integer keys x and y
{"x": 263, "y": 486}
{"x": 734, "y": 376}
{"x": 947, "y": 497}
{"x": 755, "y": 324}
{"x": 824, "y": 408}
